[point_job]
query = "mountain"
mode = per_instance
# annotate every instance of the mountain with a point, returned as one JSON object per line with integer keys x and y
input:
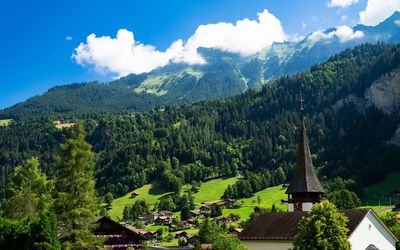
{"x": 225, "y": 74}
{"x": 352, "y": 114}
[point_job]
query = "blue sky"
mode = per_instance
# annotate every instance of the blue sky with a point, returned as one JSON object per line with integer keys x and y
{"x": 38, "y": 37}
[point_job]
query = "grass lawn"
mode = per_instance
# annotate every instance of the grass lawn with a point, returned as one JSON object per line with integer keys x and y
{"x": 151, "y": 193}
{"x": 5, "y": 122}
{"x": 213, "y": 190}
{"x": 269, "y": 196}
{"x": 379, "y": 194}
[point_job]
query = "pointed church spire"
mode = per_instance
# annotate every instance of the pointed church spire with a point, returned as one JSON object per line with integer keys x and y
{"x": 305, "y": 179}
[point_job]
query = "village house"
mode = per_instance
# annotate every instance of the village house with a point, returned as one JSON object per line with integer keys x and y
{"x": 163, "y": 220}
{"x": 134, "y": 195}
{"x": 117, "y": 235}
{"x": 204, "y": 209}
{"x": 195, "y": 214}
{"x": 277, "y": 230}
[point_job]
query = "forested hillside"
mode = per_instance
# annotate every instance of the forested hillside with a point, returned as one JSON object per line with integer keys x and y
{"x": 255, "y": 131}
{"x": 225, "y": 74}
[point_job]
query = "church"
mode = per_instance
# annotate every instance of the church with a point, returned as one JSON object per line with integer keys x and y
{"x": 276, "y": 230}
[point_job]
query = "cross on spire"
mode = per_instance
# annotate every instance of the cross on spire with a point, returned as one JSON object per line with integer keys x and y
{"x": 301, "y": 104}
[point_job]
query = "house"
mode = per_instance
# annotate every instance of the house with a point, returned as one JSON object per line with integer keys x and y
{"x": 277, "y": 230}
{"x": 163, "y": 220}
{"x": 148, "y": 217}
{"x": 134, "y": 195}
{"x": 229, "y": 202}
{"x": 166, "y": 213}
{"x": 149, "y": 236}
{"x": 204, "y": 209}
{"x": 235, "y": 231}
{"x": 117, "y": 235}
{"x": 195, "y": 214}
{"x": 180, "y": 234}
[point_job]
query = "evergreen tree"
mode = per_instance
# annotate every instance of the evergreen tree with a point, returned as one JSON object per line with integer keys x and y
{"x": 108, "y": 199}
{"x": 28, "y": 193}
{"x": 323, "y": 228}
{"x": 76, "y": 203}
{"x": 185, "y": 213}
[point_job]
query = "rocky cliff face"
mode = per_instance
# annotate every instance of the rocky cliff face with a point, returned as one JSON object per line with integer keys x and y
{"x": 383, "y": 94}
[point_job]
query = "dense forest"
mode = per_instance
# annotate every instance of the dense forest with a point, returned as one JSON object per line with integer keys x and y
{"x": 255, "y": 132}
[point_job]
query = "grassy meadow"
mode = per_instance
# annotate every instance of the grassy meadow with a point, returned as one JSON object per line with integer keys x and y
{"x": 381, "y": 194}
{"x": 5, "y": 122}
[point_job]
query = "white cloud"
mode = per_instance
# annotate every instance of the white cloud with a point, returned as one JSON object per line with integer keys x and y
{"x": 68, "y": 38}
{"x": 378, "y": 10}
{"x": 341, "y": 3}
{"x": 343, "y": 33}
{"x": 123, "y": 55}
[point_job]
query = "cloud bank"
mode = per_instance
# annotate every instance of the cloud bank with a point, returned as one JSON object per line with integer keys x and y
{"x": 341, "y": 3}
{"x": 123, "y": 55}
{"x": 343, "y": 33}
{"x": 378, "y": 10}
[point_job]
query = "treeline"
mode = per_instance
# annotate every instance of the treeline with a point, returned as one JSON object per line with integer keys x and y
{"x": 254, "y": 182}
{"x": 254, "y": 132}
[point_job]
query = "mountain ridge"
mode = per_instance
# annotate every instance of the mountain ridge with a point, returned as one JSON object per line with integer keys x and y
{"x": 225, "y": 74}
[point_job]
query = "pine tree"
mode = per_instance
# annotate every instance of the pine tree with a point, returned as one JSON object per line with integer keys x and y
{"x": 28, "y": 193}
{"x": 76, "y": 202}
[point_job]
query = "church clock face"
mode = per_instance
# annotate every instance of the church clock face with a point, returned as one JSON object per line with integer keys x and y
{"x": 297, "y": 206}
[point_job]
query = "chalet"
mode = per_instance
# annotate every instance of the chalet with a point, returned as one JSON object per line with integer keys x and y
{"x": 195, "y": 214}
{"x": 149, "y": 236}
{"x": 227, "y": 219}
{"x": 181, "y": 234}
{"x": 204, "y": 209}
{"x": 117, "y": 235}
{"x": 166, "y": 213}
{"x": 277, "y": 230}
{"x": 163, "y": 220}
{"x": 235, "y": 231}
{"x": 134, "y": 195}
{"x": 148, "y": 217}
{"x": 229, "y": 202}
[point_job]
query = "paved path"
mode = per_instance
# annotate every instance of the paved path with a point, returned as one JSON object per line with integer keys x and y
{"x": 384, "y": 210}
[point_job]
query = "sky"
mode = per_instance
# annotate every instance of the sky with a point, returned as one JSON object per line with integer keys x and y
{"x": 46, "y": 43}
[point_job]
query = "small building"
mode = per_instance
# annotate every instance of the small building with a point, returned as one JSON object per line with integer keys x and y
{"x": 148, "y": 217}
{"x": 166, "y": 213}
{"x": 163, "y": 220}
{"x": 181, "y": 234}
{"x": 204, "y": 209}
{"x": 134, "y": 195}
{"x": 195, "y": 214}
{"x": 117, "y": 235}
{"x": 235, "y": 231}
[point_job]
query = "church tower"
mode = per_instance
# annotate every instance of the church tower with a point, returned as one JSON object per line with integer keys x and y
{"x": 305, "y": 189}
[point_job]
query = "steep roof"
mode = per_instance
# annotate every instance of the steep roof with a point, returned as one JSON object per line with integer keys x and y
{"x": 284, "y": 226}
{"x": 305, "y": 179}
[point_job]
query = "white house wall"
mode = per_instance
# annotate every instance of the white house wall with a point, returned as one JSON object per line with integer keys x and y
{"x": 371, "y": 231}
{"x": 267, "y": 245}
